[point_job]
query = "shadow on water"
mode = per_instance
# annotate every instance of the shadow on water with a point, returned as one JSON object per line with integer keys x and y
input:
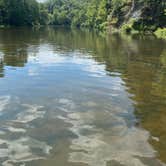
{"x": 140, "y": 63}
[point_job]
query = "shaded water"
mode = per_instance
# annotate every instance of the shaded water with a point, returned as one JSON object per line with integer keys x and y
{"x": 72, "y": 98}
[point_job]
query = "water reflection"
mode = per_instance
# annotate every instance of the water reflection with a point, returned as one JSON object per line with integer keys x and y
{"x": 73, "y": 98}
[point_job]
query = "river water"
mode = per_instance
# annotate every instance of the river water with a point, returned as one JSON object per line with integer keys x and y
{"x": 74, "y": 98}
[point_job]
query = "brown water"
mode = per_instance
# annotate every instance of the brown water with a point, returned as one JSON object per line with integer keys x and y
{"x": 73, "y": 98}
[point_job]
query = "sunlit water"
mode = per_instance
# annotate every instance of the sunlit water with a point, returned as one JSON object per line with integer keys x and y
{"x": 72, "y": 98}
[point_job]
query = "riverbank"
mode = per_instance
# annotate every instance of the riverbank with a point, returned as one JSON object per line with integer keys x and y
{"x": 124, "y": 16}
{"x": 127, "y": 29}
{"x": 124, "y": 30}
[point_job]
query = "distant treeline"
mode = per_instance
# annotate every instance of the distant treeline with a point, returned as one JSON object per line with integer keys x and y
{"x": 128, "y": 15}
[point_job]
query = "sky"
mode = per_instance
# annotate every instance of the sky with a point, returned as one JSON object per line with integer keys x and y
{"x": 41, "y": 0}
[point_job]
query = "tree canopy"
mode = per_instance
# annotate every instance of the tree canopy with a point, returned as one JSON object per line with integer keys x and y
{"x": 140, "y": 15}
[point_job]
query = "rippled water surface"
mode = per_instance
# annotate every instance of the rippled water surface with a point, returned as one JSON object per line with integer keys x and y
{"x": 73, "y": 98}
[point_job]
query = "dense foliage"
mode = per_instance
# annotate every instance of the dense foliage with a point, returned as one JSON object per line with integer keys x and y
{"x": 128, "y": 15}
{"x": 20, "y": 12}
{"x": 141, "y": 15}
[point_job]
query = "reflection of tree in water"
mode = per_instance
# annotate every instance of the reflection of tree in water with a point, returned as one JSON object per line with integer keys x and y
{"x": 16, "y": 60}
{"x": 143, "y": 70}
{"x": 140, "y": 60}
{"x": 151, "y": 103}
{"x": 1, "y": 67}
{"x": 145, "y": 77}
{"x": 14, "y": 45}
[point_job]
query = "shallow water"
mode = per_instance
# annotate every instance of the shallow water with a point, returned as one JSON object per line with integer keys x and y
{"x": 73, "y": 98}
